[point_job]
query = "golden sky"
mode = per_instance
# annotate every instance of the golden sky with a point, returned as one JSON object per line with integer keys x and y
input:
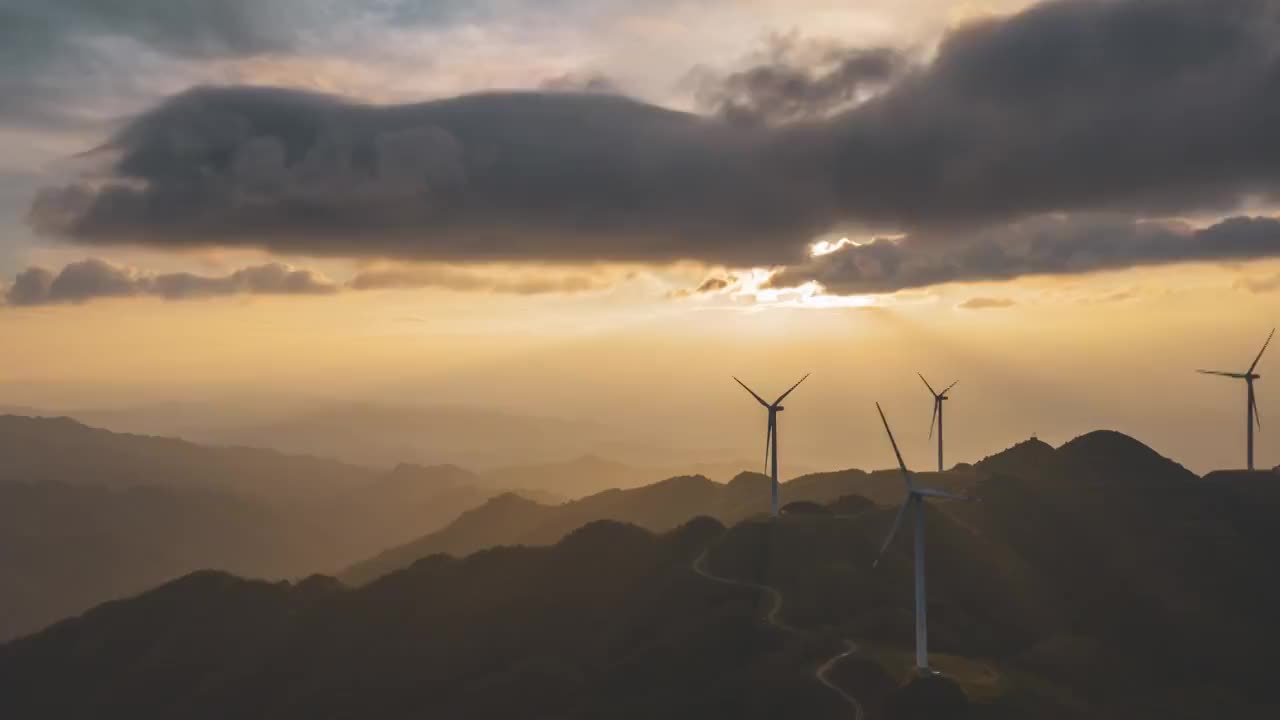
{"x": 1068, "y": 283}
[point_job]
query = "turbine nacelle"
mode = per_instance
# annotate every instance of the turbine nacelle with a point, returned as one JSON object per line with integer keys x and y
{"x": 1252, "y": 415}
{"x": 914, "y": 504}
{"x": 771, "y": 434}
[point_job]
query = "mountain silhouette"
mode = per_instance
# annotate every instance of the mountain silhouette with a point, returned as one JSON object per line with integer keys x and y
{"x": 64, "y": 450}
{"x": 1094, "y": 580}
{"x": 608, "y": 622}
{"x": 575, "y": 478}
{"x": 87, "y": 515}
{"x": 657, "y": 507}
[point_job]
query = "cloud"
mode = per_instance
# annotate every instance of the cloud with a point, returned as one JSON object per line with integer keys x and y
{"x": 1130, "y": 106}
{"x": 81, "y": 64}
{"x": 94, "y": 279}
{"x": 986, "y": 303}
{"x": 504, "y": 176}
{"x": 589, "y": 82}
{"x": 194, "y": 28}
{"x": 1043, "y": 246}
{"x": 68, "y": 64}
{"x": 721, "y": 283}
{"x": 1259, "y": 285}
{"x": 715, "y": 284}
{"x": 797, "y": 79}
{"x": 523, "y": 282}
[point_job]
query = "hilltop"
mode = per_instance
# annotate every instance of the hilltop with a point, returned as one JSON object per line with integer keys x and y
{"x": 1095, "y": 580}
{"x": 658, "y": 507}
{"x": 88, "y": 515}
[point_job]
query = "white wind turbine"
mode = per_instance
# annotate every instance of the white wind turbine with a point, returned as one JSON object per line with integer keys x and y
{"x": 938, "y": 397}
{"x": 771, "y": 438}
{"x": 914, "y": 504}
{"x": 1251, "y": 406}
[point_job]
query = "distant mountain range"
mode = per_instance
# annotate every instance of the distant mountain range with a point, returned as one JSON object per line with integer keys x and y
{"x": 513, "y": 520}
{"x": 88, "y": 515}
{"x": 557, "y": 455}
{"x": 1094, "y": 580}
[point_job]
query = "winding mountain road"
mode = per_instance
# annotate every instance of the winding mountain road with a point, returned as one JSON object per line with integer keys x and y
{"x": 772, "y": 617}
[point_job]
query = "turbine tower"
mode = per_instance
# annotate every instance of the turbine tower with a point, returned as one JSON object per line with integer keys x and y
{"x": 771, "y": 436}
{"x": 1251, "y": 407}
{"x": 914, "y": 504}
{"x": 938, "y": 397}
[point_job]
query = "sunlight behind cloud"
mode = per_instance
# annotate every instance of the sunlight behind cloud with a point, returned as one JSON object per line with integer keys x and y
{"x": 826, "y": 247}
{"x": 750, "y": 289}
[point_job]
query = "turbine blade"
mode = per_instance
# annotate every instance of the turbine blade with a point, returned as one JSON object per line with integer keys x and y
{"x": 753, "y": 392}
{"x": 944, "y": 392}
{"x": 793, "y": 387}
{"x": 926, "y": 384}
{"x": 897, "y": 523}
{"x": 933, "y": 492}
{"x": 1264, "y": 349}
{"x": 1257, "y": 417}
{"x": 1223, "y": 374}
{"x": 934, "y": 417}
{"x": 906, "y": 474}
{"x": 768, "y": 438}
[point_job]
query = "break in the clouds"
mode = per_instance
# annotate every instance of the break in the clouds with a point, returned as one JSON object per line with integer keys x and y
{"x": 1142, "y": 107}
{"x": 1042, "y": 246}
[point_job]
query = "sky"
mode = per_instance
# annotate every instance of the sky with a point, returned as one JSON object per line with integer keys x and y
{"x": 604, "y": 209}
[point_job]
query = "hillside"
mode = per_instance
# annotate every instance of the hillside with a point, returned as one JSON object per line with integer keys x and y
{"x": 657, "y": 507}
{"x": 39, "y": 449}
{"x": 1095, "y": 580}
{"x": 607, "y": 623}
{"x": 88, "y": 515}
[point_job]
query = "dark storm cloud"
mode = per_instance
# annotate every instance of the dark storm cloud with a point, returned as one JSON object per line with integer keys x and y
{"x": 94, "y": 279}
{"x": 512, "y": 176}
{"x": 797, "y": 80}
{"x": 1044, "y": 246}
{"x": 1140, "y": 105}
{"x": 1136, "y": 106}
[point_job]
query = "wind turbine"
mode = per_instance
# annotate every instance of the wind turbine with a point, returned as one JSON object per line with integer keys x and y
{"x": 914, "y": 504}
{"x": 771, "y": 438}
{"x": 938, "y": 397}
{"x": 1251, "y": 408}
